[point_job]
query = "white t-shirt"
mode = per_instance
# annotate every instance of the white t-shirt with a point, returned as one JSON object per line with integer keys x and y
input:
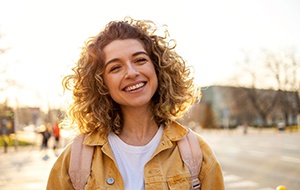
{"x": 132, "y": 159}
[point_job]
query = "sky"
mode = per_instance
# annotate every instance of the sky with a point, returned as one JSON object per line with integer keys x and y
{"x": 44, "y": 37}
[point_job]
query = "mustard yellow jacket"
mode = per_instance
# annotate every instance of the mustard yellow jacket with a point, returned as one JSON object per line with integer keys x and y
{"x": 165, "y": 170}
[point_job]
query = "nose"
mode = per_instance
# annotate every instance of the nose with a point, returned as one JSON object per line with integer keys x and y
{"x": 131, "y": 72}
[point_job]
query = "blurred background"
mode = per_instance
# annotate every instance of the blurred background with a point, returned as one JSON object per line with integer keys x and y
{"x": 246, "y": 59}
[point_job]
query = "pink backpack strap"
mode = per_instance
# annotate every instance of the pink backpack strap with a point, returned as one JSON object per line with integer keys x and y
{"x": 80, "y": 162}
{"x": 191, "y": 154}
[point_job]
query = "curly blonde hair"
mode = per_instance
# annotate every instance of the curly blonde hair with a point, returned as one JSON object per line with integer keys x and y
{"x": 94, "y": 109}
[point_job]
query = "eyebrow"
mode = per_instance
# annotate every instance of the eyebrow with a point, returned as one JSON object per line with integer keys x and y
{"x": 133, "y": 55}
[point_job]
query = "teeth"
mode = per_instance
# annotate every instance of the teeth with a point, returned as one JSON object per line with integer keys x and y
{"x": 130, "y": 88}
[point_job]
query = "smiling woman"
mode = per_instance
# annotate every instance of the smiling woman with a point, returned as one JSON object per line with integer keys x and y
{"x": 129, "y": 85}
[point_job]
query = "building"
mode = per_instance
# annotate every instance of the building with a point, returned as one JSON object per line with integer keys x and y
{"x": 226, "y": 106}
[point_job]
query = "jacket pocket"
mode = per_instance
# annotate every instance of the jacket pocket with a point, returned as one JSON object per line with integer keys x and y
{"x": 179, "y": 184}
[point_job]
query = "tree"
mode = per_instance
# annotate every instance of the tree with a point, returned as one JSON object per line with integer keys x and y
{"x": 262, "y": 101}
{"x": 254, "y": 77}
{"x": 271, "y": 70}
{"x": 208, "y": 118}
{"x": 3, "y": 68}
{"x": 283, "y": 68}
{"x": 5, "y": 81}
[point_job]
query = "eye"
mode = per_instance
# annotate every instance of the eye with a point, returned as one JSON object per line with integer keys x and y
{"x": 114, "y": 68}
{"x": 141, "y": 60}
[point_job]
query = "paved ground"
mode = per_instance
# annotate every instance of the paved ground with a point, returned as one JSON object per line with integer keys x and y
{"x": 28, "y": 168}
{"x": 259, "y": 160}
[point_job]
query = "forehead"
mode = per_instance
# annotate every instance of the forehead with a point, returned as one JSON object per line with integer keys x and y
{"x": 121, "y": 47}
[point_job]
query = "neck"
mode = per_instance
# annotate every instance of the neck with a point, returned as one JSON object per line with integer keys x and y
{"x": 139, "y": 128}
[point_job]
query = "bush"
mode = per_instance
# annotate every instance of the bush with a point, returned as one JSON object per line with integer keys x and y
{"x": 11, "y": 141}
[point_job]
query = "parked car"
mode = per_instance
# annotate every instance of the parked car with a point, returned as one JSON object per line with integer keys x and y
{"x": 281, "y": 126}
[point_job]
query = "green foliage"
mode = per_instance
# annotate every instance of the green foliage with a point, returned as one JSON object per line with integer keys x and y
{"x": 11, "y": 141}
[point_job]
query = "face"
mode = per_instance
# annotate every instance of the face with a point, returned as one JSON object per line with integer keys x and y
{"x": 129, "y": 73}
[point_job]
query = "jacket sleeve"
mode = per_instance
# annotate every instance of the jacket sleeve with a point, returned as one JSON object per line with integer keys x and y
{"x": 59, "y": 178}
{"x": 211, "y": 174}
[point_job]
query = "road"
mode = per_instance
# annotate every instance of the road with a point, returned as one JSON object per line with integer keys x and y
{"x": 256, "y": 161}
{"x": 259, "y": 160}
{"x": 26, "y": 169}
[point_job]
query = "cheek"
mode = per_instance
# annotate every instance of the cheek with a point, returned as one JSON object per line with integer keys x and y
{"x": 153, "y": 73}
{"x": 155, "y": 82}
{"x": 154, "y": 79}
{"x": 112, "y": 84}
{"x": 109, "y": 82}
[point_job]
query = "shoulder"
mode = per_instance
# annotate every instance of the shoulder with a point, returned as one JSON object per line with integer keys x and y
{"x": 63, "y": 159}
{"x": 209, "y": 161}
{"x": 211, "y": 174}
{"x": 59, "y": 174}
{"x": 205, "y": 146}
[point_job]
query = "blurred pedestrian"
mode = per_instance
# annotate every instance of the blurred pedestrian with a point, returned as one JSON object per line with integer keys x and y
{"x": 56, "y": 134}
{"x": 245, "y": 127}
{"x": 4, "y": 135}
{"x": 129, "y": 87}
{"x": 46, "y": 132}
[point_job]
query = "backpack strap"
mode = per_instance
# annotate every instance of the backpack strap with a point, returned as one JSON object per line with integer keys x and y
{"x": 80, "y": 162}
{"x": 81, "y": 159}
{"x": 191, "y": 155}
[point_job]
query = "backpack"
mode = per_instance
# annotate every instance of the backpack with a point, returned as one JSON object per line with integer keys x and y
{"x": 81, "y": 159}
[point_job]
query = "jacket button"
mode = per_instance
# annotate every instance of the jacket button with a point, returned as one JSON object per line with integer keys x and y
{"x": 110, "y": 181}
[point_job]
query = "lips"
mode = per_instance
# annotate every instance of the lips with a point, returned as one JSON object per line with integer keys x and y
{"x": 134, "y": 87}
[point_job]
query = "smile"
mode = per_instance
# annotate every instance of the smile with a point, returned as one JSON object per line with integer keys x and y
{"x": 134, "y": 87}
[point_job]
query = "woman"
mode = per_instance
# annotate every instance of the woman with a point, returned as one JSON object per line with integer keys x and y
{"x": 129, "y": 86}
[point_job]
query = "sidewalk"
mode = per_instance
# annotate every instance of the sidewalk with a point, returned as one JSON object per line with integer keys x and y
{"x": 26, "y": 169}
